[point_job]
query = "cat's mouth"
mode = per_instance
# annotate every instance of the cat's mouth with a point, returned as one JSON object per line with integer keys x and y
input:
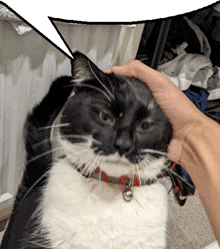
{"x": 118, "y": 159}
{"x": 135, "y": 157}
{"x": 115, "y": 164}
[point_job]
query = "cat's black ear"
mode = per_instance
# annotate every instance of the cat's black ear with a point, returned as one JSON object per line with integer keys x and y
{"x": 83, "y": 68}
{"x": 86, "y": 75}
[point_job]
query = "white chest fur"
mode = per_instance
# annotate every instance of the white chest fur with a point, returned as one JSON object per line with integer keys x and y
{"x": 88, "y": 213}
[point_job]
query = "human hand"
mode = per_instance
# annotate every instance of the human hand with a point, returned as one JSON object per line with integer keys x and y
{"x": 181, "y": 112}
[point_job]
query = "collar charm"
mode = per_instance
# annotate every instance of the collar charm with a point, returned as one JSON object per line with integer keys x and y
{"x": 127, "y": 194}
{"x": 181, "y": 187}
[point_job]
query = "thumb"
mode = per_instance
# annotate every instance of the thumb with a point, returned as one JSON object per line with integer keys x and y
{"x": 126, "y": 70}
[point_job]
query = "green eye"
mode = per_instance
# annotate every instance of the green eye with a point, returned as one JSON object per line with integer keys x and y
{"x": 144, "y": 126}
{"x": 107, "y": 118}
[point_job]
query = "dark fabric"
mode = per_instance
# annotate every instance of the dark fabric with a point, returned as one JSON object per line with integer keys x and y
{"x": 198, "y": 96}
{"x": 179, "y": 32}
{"x": 199, "y": 16}
{"x": 141, "y": 54}
{"x": 181, "y": 183}
{"x": 207, "y": 19}
{"x": 215, "y": 115}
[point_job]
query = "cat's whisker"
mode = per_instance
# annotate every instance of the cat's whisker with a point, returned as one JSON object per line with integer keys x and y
{"x": 89, "y": 167}
{"x": 147, "y": 159}
{"x": 160, "y": 174}
{"x": 86, "y": 162}
{"x": 171, "y": 176}
{"x": 100, "y": 81}
{"x": 112, "y": 88}
{"x": 84, "y": 170}
{"x": 29, "y": 190}
{"x": 138, "y": 172}
{"x": 153, "y": 104}
{"x": 87, "y": 137}
{"x": 133, "y": 169}
{"x": 75, "y": 81}
{"x": 181, "y": 178}
{"x": 97, "y": 89}
{"x": 41, "y": 142}
{"x": 44, "y": 141}
{"x": 154, "y": 152}
{"x": 100, "y": 166}
{"x": 142, "y": 59}
{"x": 53, "y": 126}
{"x": 93, "y": 164}
{"x": 130, "y": 84}
{"x": 44, "y": 154}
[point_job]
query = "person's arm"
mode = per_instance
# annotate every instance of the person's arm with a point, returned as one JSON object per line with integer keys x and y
{"x": 196, "y": 138}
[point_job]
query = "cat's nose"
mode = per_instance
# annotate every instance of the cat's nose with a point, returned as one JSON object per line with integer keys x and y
{"x": 123, "y": 144}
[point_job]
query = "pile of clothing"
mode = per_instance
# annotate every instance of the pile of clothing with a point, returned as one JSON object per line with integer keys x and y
{"x": 192, "y": 50}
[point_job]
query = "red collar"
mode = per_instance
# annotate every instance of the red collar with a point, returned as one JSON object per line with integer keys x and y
{"x": 125, "y": 180}
{"x": 180, "y": 188}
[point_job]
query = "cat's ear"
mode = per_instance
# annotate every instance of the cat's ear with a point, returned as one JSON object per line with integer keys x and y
{"x": 86, "y": 75}
{"x": 83, "y": 69}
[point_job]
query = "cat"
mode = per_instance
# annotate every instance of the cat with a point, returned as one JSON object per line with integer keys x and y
{"x": 103, "y": 190}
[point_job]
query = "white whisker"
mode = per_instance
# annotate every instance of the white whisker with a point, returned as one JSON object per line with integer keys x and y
{"x": 100, "y": 81}
{"x": 43, "y": 154}
{"x": 112, "y": 88}
{"x": 100, "y": 177}
{"x": 94, "y": 163}
{"x": 41, "y": 142}
{"x": 138, "y": 172}
{"x": 86, "y": 163}
{"x": 181, "y": 178}
{"x": 133, "y": 168}
{"x": 142, "y": 59}
{"x": 97, "y": 89}
{"x": 155, "y": 151}
{"x": 53, "y": 126}
{"x": 87, "y": 137}
{"x": 213, "y": 116}
{"x": 128, "y": 81}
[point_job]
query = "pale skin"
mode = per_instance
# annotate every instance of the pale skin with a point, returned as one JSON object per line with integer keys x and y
{"x": 195, "y": 143}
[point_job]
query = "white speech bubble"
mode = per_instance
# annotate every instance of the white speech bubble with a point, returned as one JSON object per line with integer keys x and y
{"x": 38, "y": 14}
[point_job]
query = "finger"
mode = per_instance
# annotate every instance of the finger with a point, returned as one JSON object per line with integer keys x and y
{"x": 178, "y": 108}
{"x": 108, "y": 71}
{"x": 126, "y": 70}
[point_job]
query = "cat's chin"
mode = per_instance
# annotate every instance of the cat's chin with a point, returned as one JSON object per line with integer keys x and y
{"x": 114, "y": 165}
{"x": 123, "y": 167}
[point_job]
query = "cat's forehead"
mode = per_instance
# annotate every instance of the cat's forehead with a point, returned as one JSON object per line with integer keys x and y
{"x": 131, "y": 89}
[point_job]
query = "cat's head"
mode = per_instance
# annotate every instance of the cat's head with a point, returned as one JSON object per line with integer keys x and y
{"x": 114, "y": 123}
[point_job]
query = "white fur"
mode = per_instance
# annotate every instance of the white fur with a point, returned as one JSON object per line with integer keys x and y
{"x": 112, "y": 165}
{"x": 81, "y": 212}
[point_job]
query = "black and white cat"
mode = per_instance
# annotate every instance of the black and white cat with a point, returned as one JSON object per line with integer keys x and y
{"x": 103, "y": 192}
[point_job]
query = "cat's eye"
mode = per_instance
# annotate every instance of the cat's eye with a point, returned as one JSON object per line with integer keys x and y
{"x": 107, "y": 118}
{"x": 144, "y": 126}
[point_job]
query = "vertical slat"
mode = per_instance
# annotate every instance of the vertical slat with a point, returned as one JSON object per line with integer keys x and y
{"x": 160, "y": 43}
{"x": 2, "y": 95}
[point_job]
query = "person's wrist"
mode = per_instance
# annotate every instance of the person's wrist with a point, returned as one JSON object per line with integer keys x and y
{"x": 180, "y": 150}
